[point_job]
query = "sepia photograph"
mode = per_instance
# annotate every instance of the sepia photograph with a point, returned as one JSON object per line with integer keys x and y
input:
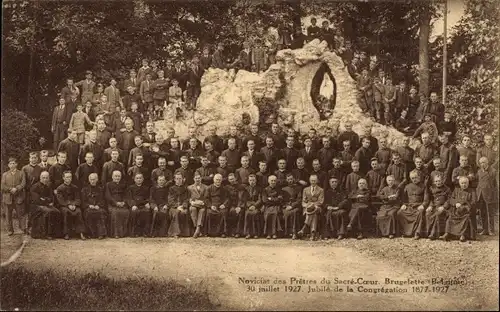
{"x": 250, "y": 155}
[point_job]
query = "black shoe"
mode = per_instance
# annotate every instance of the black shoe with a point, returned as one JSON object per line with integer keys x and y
{"x": 444, "y": 237}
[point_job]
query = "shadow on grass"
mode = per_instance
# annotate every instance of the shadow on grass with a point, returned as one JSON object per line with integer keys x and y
{"x": 48, "y": 290}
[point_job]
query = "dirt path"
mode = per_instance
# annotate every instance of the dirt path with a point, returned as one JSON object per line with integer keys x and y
{"x": 9, "y": 245}
{"x": 218, "y": 264}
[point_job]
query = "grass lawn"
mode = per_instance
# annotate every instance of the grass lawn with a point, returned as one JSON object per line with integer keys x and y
{"x": 24, "y": 289}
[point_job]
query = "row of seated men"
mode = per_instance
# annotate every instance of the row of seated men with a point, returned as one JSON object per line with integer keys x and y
{"x": 253, "y": 208}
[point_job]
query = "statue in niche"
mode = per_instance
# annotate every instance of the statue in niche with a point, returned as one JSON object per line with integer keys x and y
{"x": 324, "y": 105}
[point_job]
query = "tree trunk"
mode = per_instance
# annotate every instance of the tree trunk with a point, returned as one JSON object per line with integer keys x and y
{"x": 296, "y": 14}
{"x": 425, "y": 27}
{"x": 27, "y": 104}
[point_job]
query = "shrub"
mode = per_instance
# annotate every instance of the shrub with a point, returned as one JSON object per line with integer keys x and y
{"x": 47, "y": 290}
{"x": 19, "y": 133}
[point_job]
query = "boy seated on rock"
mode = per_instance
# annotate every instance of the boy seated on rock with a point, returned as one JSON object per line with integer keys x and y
{"x": 175, "y": 97}
{"x": 403, "y": 125}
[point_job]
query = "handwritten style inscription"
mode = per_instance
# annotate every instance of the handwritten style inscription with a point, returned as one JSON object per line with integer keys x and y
{"x": 357, "y": 284}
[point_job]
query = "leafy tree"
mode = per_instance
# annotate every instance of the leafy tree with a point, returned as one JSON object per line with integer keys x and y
{"x": 45, "y": 42}
{"x": 388, "y": 30}
{"x": 474, "y": 68}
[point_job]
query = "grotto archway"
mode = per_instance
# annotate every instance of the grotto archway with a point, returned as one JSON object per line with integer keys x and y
{"x": 323, "y": 104}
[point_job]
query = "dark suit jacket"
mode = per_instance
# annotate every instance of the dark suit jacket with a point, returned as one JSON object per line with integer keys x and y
{"x": 149, "y": 138}
{"x": 66, "y": 93}
{"x": 271, "y": 156}
{"x": 254, "y": 159}
{"x": 308, "y": 157}
{"x": 290, "y": 155}
{"x": 402, "y": 98}
{"x": 117, "y": 123}
{"x": 129, "y": 82}
{"x": 129, "y": 98}
{"x": 67, "y": 115}
{"x": 313, "y": 32}
{"x": 72, "y": 105}
{"x": 113, "y": 95}
{"x": 169, "y": 73}
{"x": 194, "y": 76}
{"x": 160, "y": 89}
{"x": 146, "y": 91}
{"x": 91, "y": 114}
{"x": 487, "y": 187}
{"x": 181, "y": 76}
